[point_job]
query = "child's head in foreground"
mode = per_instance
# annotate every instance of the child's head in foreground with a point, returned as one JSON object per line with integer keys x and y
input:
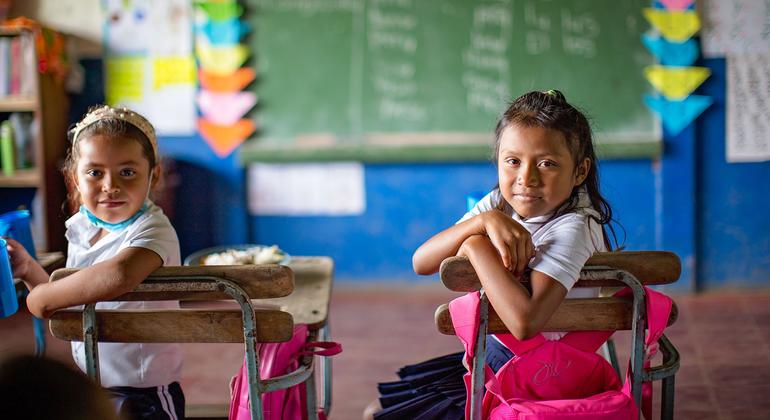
{"x": 113, "y": 163}
{"x": 545, "y": 157}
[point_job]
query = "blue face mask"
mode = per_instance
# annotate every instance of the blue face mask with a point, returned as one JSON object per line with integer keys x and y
{"x": 112, "y": 227}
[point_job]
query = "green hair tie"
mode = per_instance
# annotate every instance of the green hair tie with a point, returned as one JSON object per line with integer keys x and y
{"x": 551, "y": 92}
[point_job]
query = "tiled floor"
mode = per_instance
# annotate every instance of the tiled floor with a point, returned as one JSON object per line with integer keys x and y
{"x": 723, "y": 338}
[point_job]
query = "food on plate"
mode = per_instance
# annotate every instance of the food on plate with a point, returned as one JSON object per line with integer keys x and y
{"x": 253, "y": 255}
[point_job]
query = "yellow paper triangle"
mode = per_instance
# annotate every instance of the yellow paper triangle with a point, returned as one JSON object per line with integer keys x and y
{"x": 677, "y": 26}
{"x": 222, "y": 60}
{"x": 676, "y": 83}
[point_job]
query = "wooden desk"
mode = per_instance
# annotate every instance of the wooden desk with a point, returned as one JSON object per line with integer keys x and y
{"x": 308, "y": 303}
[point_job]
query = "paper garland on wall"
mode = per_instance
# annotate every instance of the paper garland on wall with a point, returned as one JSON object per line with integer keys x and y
{"x": 675, "y": 78}
{"x": 221, "y": 101}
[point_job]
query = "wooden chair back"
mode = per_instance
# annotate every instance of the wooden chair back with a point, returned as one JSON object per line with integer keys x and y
{"x": 602, "y": 313}
{"x": 187, "y": 283}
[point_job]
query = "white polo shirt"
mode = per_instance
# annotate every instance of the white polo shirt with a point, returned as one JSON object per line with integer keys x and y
{"x": 129, "y": 364}
{"x": 562, "y": 245}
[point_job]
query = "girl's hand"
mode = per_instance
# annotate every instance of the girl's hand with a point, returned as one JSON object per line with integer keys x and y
{"x": 20, "y": 259}
{"x": 512, "y": 241}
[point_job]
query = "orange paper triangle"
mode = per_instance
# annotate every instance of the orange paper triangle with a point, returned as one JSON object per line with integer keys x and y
{"x": 223, "y": 139}
{"x": 234, "y": 82}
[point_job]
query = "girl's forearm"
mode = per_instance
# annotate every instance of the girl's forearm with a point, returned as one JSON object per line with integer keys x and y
{"x": 93, "y": 284}
{"x": 428, "y": 257}
{"x": 102, "y": 281}
{"x": 522, "y": 312}
{"x": 508, "y": 296}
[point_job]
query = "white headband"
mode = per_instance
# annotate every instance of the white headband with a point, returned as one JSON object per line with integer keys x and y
{"x": 123, "y": 114}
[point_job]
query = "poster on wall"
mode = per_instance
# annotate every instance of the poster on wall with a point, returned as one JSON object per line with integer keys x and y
{"x": 149, "y": 62}
{"x": 748, "y": 105}
{"x": 735, "y": 27}
{"x": 307, "y": 189}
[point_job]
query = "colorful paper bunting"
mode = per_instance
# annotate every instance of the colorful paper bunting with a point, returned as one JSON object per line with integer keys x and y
{"x": 225, "y": 108}
{"x": 219, "y": 11}
{"x": 676, "y": 26}
{"x": 676, "y": 82}
{"x": 223, "y": 139}
{"x": 229, "y": 83}
{"x": 225, "y": 32}
{"x": 672, "y": 53}
{"x": 222, "y": 60}
{"x": 676, "y": 4}
{"x": 221, "y": 102}
{"x": 676, "y": 115}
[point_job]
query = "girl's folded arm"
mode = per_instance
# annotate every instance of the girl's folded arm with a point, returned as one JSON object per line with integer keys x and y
{"x": 428, "y": 257}
{"x": 524, "y": 314}
{"x": 101, "y": 281}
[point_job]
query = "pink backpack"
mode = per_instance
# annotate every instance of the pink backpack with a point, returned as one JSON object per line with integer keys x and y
{"x": 562, "y": 379}
{"x": 278, "y": 359}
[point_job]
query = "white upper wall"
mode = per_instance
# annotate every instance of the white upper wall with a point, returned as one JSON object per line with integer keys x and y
{"x": 82, "y": 19}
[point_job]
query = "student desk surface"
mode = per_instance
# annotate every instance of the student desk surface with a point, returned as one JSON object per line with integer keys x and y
{"x": 308, "y": 303}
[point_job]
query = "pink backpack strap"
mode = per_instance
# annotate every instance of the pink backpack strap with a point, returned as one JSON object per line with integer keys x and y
{"x": 658, "y": 311}
{"x": 464, "y": 311}
{"x": 321, "y": 348}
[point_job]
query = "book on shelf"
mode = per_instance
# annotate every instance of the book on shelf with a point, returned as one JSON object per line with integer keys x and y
{"x": 17, "y": 66}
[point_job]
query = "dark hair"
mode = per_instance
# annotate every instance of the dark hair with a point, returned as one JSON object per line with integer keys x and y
{"x": 111, "y": 128}
{"x": 37, "y": 388}
{"x": 552, "y": 111}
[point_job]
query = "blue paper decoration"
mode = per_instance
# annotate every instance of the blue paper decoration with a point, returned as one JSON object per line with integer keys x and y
{"x": 672, "y": 53}
{"x": 676, "y": 115}
{"x": 224, "y": 32}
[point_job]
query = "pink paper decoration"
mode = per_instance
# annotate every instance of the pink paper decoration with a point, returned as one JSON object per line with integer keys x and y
{"x": 677, "y": 4}
{"x": 225, "y": 108}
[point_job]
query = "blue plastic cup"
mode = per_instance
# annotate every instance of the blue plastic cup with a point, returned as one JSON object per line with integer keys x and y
{"x": 9, "y": 302}
{"x": 15, "y": 224}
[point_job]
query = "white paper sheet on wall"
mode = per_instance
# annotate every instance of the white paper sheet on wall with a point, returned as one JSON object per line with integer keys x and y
{"x": 735, "y": 27}
{"x": 150, "y": 65}
{"x": 748, "y": 108}
{"x": 300, "y": 189}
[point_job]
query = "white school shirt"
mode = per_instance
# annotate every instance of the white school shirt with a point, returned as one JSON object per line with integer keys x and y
{"x": 129, "y": 364}
{"x": 562, "y": 245}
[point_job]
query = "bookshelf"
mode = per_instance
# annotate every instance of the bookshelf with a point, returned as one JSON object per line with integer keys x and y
{"x": 41, "y": 101}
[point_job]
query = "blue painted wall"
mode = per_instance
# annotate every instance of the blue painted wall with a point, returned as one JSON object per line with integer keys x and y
{"x": 734, "y": 211}
{"x": 406, "y": 204}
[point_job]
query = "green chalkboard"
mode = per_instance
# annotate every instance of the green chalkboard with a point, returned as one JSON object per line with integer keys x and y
{"x": 413, "y": 80}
